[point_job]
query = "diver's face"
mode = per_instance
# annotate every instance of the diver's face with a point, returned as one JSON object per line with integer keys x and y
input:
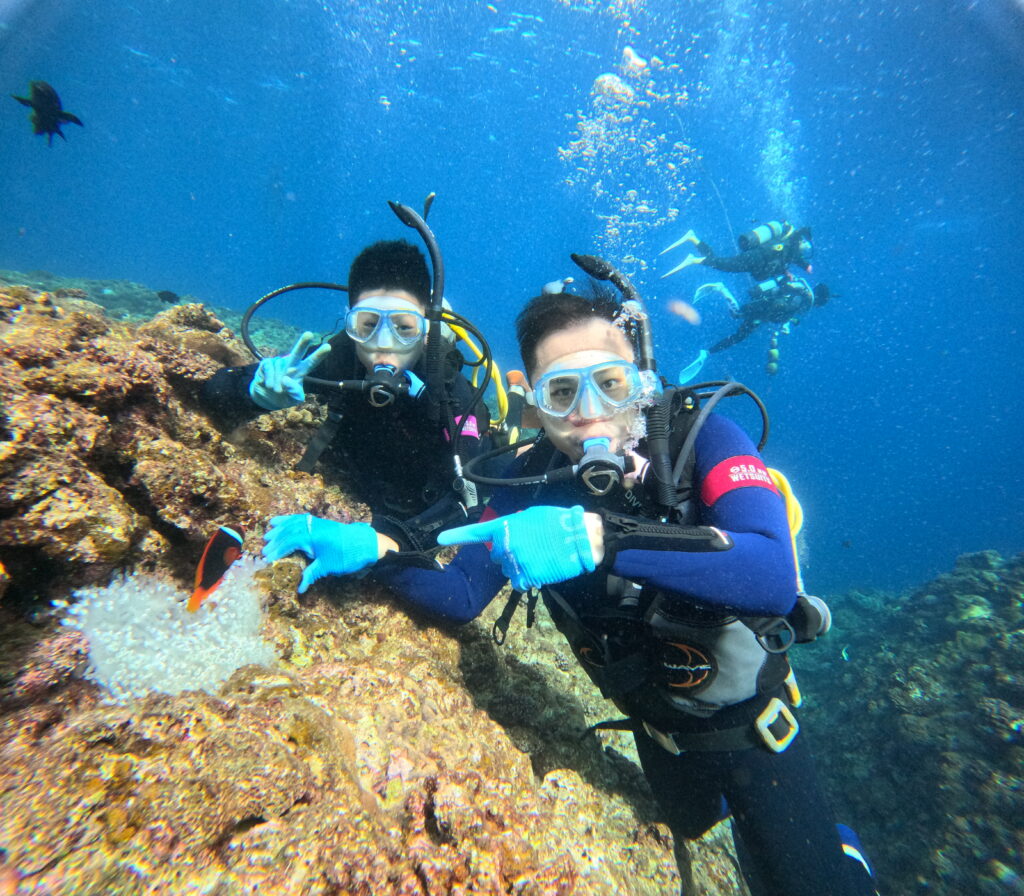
{"x": 392, "y": 353}
{"x": 582, "y": 346}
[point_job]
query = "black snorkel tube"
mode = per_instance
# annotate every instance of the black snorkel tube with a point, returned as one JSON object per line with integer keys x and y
{"x": 657, "y": 415}
{"x": 438, "y": 397}
{"x": 436, "y": 393}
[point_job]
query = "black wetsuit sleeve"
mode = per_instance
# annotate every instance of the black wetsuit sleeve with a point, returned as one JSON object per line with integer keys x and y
{"x": 419, "y": 534}
{"x": 225, "y": 396}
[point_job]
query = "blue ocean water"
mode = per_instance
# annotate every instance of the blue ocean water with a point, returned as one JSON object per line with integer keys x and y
{"x": 232, "y": 148}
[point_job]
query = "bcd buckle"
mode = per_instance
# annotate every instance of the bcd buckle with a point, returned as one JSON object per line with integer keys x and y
{"x": 775, "y": 710}
{"x": 663, "y": 740}
{"x": 793, "y": 690}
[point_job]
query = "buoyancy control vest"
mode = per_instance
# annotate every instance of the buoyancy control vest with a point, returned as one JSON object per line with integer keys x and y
{"x": 654, "y": 652}
{"x": 398, "y": 460}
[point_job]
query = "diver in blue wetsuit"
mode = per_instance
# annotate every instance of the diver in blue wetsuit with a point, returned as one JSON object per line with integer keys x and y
{"x": 665, "y": 558}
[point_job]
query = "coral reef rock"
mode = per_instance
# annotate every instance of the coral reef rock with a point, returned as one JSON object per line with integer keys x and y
{"x": 921, "y": 731}
{"x": 379, "y": 755}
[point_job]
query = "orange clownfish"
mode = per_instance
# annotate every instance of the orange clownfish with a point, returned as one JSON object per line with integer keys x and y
{"x": 223, "y": 549}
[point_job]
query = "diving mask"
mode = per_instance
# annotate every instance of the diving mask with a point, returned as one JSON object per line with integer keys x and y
{"x": 390, "y": 324}
{"x": 597, "y": 390}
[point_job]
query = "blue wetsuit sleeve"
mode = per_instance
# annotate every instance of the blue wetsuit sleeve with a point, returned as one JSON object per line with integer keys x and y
{"x": 461, "y": 590}
{"x": 456, "y": 593}
{"x": 757, "y": 576}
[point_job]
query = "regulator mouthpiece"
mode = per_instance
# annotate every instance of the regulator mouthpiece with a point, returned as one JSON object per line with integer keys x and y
{"x": 600, "y": 470}
{"x": 385, "y": 385}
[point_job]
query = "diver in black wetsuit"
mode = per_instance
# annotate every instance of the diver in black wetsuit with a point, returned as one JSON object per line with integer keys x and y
{"x": 783, "y": 306}
{"x": 396, "y": 455}
{"x": 766, "y": 252}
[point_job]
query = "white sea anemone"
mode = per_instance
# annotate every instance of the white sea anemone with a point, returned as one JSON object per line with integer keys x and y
{"x": 142, "y": 639}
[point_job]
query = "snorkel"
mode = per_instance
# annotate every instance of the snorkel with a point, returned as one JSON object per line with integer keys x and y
{"x": 657, "y": 413}
{"x": 436, "y": 394}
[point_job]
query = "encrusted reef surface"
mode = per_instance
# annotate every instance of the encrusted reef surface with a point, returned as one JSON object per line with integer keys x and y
{"x": 921, "y": 730}
{"x": 125, "y": 300}
{"x": 381, "y": 755}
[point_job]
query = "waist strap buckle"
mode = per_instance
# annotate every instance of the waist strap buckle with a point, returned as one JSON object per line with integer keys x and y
{"x": 775, "y": 712}
{"x": 662, "y": 739}
{"x": 793, "y": 694}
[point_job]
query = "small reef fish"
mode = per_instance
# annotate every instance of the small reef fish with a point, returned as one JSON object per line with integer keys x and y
{"x": 171, "y": 298}
{"x": 223, "y": 549}
{"x": 47, "y": 113}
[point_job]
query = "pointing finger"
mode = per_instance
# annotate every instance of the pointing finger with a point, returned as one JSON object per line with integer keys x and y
{"x": 476, "y": 533}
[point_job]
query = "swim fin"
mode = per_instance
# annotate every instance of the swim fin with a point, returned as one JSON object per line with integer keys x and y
{"x": 852, "y": 847}
{"x": 688, "y": 237}
{"x": 693, "y": 368}
{"x": 718, "y": 289}
{"x": 690, "y": 259}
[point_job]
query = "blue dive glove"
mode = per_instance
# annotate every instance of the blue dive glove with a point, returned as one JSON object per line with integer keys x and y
{"x": 335, "y": 548}
{"x": 277, "y": 383}
{"x": 539, "y": 546}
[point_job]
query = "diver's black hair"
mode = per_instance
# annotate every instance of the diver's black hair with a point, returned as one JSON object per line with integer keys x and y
{"x": 390, "y": 264}
{"x": 548, "y": 313}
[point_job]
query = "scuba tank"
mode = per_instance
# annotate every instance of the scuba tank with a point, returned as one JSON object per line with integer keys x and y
{"x": 762, "y": 234}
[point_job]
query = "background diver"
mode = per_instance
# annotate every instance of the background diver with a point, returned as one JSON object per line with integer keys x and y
{"x": 778, "y": 296}
{"x": 396, "y": 455}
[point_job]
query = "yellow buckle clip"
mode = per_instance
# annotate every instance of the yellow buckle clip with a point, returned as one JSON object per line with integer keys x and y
{"x": 793, "y": 690}
{"x": 769, "y": 715}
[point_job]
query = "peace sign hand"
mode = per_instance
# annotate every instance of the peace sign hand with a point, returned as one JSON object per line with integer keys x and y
{"x": 277, "y": 383}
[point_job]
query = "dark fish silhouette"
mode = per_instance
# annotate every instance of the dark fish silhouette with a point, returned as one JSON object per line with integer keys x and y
{"x": 223, "y": 549}
{"x": 165, "y": 295}
{"x": 47, "y": 114}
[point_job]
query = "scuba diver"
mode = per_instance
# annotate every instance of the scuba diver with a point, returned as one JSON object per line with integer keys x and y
{"x": 662, "y": 547}
{"x": 784, "y": 306}
{"x": 401, "y": 416}
{"x": 778, "y": 296}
